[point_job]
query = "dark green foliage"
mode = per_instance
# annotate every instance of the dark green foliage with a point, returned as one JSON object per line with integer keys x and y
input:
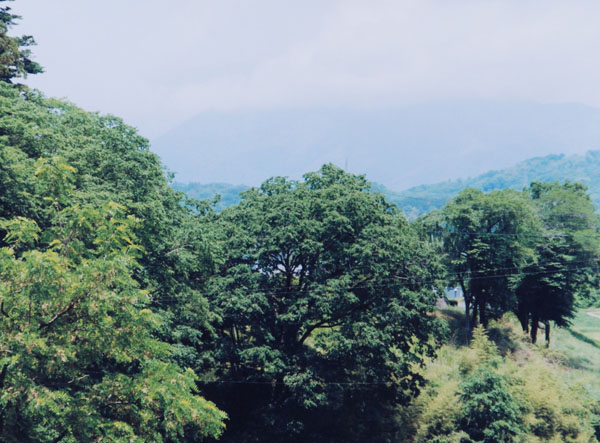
{"x": 15, "y": 59}
{"x": 490, "y": 413}
{"x": 567, "y": 251}
{"x": 486, "y": 240}
{"x": 322, "y": 311}
{"x": 534, "y": 253}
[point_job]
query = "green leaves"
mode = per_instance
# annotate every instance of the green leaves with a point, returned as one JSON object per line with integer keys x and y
{"x": 77, "y": 356}
{"x": 14, "y": 60}
{"x": 321, "y": 306}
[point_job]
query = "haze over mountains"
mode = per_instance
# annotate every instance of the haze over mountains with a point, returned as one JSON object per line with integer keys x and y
{"x": 421, "y": 199}
{"x": 397, "y": 147}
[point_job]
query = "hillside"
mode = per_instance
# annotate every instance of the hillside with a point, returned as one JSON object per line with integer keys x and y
{"x": 543, "y": 394}
{"x": 422, "y": 199}
{"x": 581, "y": 168}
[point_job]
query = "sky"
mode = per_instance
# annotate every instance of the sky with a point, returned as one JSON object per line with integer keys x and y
{"x": 158, "y": 63}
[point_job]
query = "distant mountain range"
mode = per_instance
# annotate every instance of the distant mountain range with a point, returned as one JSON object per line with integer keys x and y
{"x": 400, "y": 147}
{"x": 421, "y": 199}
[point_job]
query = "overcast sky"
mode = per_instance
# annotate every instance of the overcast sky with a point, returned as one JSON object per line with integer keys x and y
{"x": 157, "y": 63}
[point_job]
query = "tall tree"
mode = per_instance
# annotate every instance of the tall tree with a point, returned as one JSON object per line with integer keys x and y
{"x": 567, "y": 251}
{"x": 113, "y": 163}
{"x": 78, "y": 361}
{"x": 487, "y": 241}
{"x": 323, "y": 295}
{"x": 15, "y": 58}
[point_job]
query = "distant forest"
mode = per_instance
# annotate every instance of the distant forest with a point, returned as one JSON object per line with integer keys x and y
{"x": 419, "y": 200}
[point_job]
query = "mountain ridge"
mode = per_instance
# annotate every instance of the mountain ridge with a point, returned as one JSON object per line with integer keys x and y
{"x": 421, "y": 199}
{"x": 399, "y": 146}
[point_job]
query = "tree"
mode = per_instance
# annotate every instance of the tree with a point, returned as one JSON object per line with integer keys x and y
{"x": 113, "y": 163}
{"x": 567, "y": 251}
{"x": 15, "y": 59}
{"x": 323, "y": 294}
{"x": 487, "y": 241}
{"x": 77, "y": 358}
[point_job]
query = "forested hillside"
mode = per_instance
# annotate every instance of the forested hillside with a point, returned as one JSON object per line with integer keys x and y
{"x": 419, "y": 200}
{"x": 575, "y": 168}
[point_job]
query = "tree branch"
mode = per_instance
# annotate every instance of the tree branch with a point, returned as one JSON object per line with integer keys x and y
{"x": 3, "y": 375}
{"x": 57, "y": 316}
{"x": 60, "y": 437}
{"x": 3, "y": 311}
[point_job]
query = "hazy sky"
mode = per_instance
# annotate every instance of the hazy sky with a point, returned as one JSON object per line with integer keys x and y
{"x": 157, "y": 63}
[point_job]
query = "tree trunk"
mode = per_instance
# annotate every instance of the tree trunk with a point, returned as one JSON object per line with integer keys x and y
{"x": 467, "y": 299}
{"x": 482, "y": 314}
{"x": 467, "y": 317}
{"x": 534, "y": 327}
{"x": 548, "y": 334}
{"x": 524, "y": 319}
{"x": 474, "y": 317}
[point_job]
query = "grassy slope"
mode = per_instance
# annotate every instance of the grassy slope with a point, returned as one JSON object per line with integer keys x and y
{"x": 580, "y": 346}
{"x": 575, "y": 349}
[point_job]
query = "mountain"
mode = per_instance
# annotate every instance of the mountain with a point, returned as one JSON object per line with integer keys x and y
{"x": 400, "y": 147}
{"x": 581, "y": 168}
{"x": 424, "y": 198}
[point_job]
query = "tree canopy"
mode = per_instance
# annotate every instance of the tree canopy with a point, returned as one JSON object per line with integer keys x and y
{"x": 567, "y": 252}
{"x": 322, "y": 294}
{"x": 533, "y": 252}
{"x": 78, "y": 359}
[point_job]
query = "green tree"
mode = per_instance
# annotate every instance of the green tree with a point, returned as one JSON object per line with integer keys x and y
{"x": 487, "y": 240}
{"x": 490, "y": 413}
{"x": 15, "y": 58}
{"x": 77, "y": 358}
{"x": 113, "y": 163}
{"x": 567, "y": 254}
{"x": 323, "y": 294}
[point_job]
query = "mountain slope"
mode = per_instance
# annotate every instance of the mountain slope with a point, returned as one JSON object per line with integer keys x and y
{"x": 581, "y": 168}
{"x": 401, "y": 147}
{"x": 424, "y": 198}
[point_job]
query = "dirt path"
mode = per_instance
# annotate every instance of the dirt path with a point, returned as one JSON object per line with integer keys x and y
{"x": 594, "y": 314}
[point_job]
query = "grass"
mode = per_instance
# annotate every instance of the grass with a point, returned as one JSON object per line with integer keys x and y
{"x": 576, "y": 348}
{"x": 580, "y": 346}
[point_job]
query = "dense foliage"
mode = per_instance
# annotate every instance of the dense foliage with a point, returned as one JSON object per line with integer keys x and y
{"x": 486, "y": 240}
{"x": 486, "y": 394}
{"x": 567, "y": 254}
{"x": 323, "y": 293}
{"x": 104, "y": 161}
{"x": 78, "y": 360}
{"x": 533, "y": 252}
